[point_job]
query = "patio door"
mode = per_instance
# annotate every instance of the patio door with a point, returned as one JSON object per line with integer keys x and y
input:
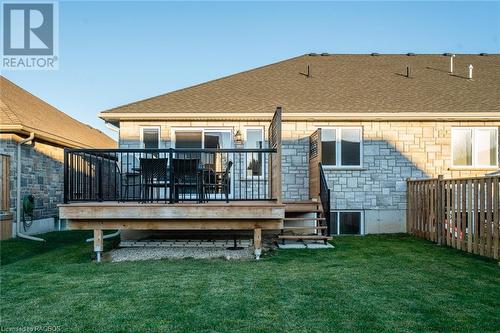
{"x": 189, "y": 138}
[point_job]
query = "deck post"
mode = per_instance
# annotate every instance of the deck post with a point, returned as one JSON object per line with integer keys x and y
{"x": 257, "y": 242}
{"x": 98, "y": 244}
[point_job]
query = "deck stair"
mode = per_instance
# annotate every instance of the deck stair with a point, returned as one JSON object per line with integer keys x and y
{"x": 304, "y": 221}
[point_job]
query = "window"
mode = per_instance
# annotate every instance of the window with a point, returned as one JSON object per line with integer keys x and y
{"x": 254, "y": 139}
{"x": 346, "y": 223}
{"x": 188, "y": 139}
{"x": 150, "y": 137}
{"x": 475, "y": 147}
{"x": 206, "y": 138}
{"x": 341, "y": 146}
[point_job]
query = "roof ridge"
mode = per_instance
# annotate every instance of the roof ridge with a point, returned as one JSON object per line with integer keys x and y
{"x": 204, "y": 83}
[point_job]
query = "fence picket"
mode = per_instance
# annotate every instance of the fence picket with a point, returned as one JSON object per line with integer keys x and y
{"x": 476, "y": 217}
{"x": 461, "y": 213}
{"x": 469, "y": 216}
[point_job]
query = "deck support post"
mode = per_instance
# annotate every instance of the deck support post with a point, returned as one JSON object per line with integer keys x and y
{"x": 98, "y": 243}
{"x": 257, "y": 242}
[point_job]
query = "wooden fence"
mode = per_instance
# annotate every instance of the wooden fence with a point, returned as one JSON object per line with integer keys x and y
{"x": 461, "y": 213}
{"x": 5, "y": 214}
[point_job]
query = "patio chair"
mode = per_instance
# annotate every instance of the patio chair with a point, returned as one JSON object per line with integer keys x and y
{"x": 212, "y": 183}
{"x": 185, "y": 177}
{"x": 154, "y": 173}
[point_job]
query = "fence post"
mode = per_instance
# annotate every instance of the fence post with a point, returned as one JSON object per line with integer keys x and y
{"x": 440, "y": 211}
{"x": 408, "y": 206}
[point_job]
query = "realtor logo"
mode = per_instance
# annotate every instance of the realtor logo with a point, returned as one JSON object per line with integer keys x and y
{"x": 29, "y": 35}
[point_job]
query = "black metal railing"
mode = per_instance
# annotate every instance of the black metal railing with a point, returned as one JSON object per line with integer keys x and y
{"x": 166, "y": 175}
{"x": 324, "y": 195}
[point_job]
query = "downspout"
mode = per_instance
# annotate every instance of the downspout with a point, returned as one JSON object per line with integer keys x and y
{"x": 17, "y": 225}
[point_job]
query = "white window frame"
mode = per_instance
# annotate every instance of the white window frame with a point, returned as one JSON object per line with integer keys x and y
{"x": 150, "y": 127}
{"x": 474, "y": 165}
{"x": 338, "y": 147}
{"x": 246, "y": 128}
{"x": 202, "y": 130}
{"x": 362, "y": 221}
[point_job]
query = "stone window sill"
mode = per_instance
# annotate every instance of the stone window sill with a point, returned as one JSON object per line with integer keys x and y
{"x": 337, "y": 168}
{"x": 473, "y": 169}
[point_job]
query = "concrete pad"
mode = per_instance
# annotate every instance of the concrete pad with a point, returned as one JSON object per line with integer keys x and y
{"x": 319, "y": 246}
{"x": 292, "y": 246}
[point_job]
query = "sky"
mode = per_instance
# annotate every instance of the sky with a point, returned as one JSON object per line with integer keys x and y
{"x": 113, "y": 53}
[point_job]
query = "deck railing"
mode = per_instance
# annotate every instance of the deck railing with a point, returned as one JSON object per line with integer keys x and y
{"x": 167, "y": 175}
{"x": 324, "y": 195}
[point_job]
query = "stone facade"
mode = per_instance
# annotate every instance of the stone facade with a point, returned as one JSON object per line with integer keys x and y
{"x": 42, "y": 174}
{"x": 391, "y": 153}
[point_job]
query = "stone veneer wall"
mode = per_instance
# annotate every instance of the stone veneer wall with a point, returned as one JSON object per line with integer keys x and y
{"x": 41, "y": 175}
{"x": 392, "y": 152}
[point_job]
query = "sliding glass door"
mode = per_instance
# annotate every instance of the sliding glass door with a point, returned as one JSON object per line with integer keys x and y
{"x": 213, "y": 164}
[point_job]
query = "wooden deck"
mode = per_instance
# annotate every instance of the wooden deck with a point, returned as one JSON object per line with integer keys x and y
{"x": 235, "y": 215}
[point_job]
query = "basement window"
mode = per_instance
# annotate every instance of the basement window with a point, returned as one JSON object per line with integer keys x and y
{"x": 346, "y": 223}
{"x": 341, "y": 146}
{"x": 475, "y": 147}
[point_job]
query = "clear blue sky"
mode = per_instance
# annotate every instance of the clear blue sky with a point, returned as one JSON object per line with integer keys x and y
{"x": 112, "y": 53}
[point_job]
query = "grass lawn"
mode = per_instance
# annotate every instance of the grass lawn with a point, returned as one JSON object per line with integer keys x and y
{"x": 366, "y": 284}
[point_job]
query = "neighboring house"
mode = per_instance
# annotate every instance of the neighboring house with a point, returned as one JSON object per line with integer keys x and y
{"x": 382, "y": 119}
{"x": 22, "y": 115}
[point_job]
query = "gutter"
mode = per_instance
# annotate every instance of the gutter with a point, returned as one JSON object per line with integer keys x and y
{"x": 307, "y": 116}
{"x": 16, "y": 228}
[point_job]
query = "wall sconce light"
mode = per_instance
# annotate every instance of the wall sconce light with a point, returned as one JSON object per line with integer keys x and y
{"x": 237, "y": 138}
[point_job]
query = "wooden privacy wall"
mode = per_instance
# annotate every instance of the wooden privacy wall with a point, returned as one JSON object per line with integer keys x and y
{"x": 275, "y": 159}
{"x": 5, "y": 214}
{"x": 314, "y": 161}
{"x": 4, "y": 182}
{"x": 461, "y": 213}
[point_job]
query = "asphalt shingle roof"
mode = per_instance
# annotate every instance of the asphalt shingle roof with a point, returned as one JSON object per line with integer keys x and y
{"x": 342, "y": 83}
{"x": 19, "y": 107}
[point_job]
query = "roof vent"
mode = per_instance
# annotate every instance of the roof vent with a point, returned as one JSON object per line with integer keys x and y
{"x": 470, "y": 67}
{"x": 410, "y": 54}
{"x": 324, "y": 54}
{"x": 451, "y": 63}
{"x": 374, "y": 54}
{"x": 308, "y": 73}
{"x": 483, "y": 54}
{"x": 313, "y": 54}
{"x": 408, "y": 71}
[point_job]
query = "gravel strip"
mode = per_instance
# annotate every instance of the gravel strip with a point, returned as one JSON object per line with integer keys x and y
{"x": 149, "y": 253}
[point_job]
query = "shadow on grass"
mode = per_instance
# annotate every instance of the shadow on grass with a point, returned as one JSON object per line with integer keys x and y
{"x": 69, "y": 243}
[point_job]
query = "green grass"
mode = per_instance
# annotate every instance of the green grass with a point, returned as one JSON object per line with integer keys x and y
{"x": 366, "y": 284}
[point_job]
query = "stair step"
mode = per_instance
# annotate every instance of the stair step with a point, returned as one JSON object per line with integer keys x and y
{"x": 305, "y": 237}
{"x": 304, "y": 219}
{"x": 304, "y": 228}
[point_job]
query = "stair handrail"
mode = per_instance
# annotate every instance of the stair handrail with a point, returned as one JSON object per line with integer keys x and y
{"x": 324, "y": 195}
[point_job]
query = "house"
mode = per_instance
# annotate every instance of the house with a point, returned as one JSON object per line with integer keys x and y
{"x": 42, "y": 133}
{"x": 348, "y": 132}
